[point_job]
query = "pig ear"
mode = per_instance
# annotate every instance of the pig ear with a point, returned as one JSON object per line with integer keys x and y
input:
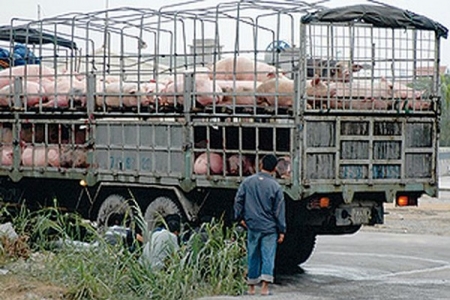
{"x": 281, "y": 71}
{"x": 271, "y": 75}
{"x": 383, "y": 79}
{"x": 357, "y": 68}
{"x": 316, "y": 80}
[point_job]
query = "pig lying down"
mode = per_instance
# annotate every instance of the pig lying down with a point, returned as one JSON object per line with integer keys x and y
{"x": 41, "y": 86}
{"x": 60, "y": 156}
{"x": 235, "y": 81}
{"x": 367, "y": 95}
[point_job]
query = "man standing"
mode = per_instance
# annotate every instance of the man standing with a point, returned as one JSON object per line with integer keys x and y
{"x": 259, "y": 206}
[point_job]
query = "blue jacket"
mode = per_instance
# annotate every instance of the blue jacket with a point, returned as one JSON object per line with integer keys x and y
{"x": 259, "y": 202}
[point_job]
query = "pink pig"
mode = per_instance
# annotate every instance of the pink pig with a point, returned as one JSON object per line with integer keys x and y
{"x": 363, "y": 89}
{"x": 215, "y": 166}
{"x": 283, "y": 89}
{"x": 65, "y": 89}
{"x": 117, "y": 93}
{"x": 7, "y": 155}
{"x": 206, "y": 93}
{"x": 401, "y": 91}
{"x": 40, "y": 156}
{"x": 73, "y": 158}
{"x": 241, "y": 68}
{"x": 32, "y": 93}
{"x": 27, "y": 72}
{"x": 235, "y": 163}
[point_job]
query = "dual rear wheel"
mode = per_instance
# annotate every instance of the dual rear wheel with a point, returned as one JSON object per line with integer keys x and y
{"x": 155, "y": 211}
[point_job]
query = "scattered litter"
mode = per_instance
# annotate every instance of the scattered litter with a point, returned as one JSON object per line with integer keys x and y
{"x": 3, "y": 272}
{"x": 7, "y": 230}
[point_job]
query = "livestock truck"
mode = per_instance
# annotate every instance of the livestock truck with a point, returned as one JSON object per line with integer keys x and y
{"x": 152, "y": 104}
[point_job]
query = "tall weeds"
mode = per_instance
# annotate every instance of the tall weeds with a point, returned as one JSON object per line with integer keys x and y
{"x": 209, "y": 262}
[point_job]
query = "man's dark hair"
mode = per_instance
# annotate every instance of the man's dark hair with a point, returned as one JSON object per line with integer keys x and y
{"x": 116, "y": 218}
{"x": 269, "y": 162}
{"x": 173, "y": 222}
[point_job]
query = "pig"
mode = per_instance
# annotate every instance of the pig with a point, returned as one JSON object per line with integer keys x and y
{"x": 315, "y": 88}
{"x": 318, "y": 88}
{"x": 152, "y": 91}
{"x": 358, "y": 94}
{"x": 27, "y": 72}
{"x": 243, "y": 84}
{"x": 215, "y": 166}
{"x": 363, "y": 89}
{"x": 331, "y": 70}
{"x": 107, "y": 79}
{"x": 401, "y": 91}
{"x": 7, "y": 148}
{"x": 413, "y": 104}
{"x": 363, "y": 104}
{"x": 73, "y": 158}
{"x": 225, "y": 69}
{"x": 40, "y": 156}
{"x": 64, "y": 91}
{"x": 32, "y": 92}
{"x": 7, "y": 155}
{"x": 239, "y": 96}
{"x": 235, "y": 163}
{"x": 124, "y": 94}
{"x": 206, "y": 93}
{"x": 7, "y": 136}
{"x": 240, "y": 91}
{"x": 283, "y": 167}
{"x": 276, "y": 91}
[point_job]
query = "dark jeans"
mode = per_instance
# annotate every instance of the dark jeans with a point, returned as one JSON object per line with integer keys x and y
{"x": 261, "y": 248}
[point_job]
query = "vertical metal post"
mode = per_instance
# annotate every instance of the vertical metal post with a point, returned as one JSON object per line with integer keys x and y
{"x": 188, "y": 134}
{"x": 90, "y": 94}
{"x": 18, "y": 93}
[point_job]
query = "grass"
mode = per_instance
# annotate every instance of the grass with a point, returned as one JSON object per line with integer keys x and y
{"x": 210, "y": 262}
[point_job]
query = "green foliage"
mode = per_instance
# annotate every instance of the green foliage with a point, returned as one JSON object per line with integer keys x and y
{"x": 211, "y": 262}
{"x": 445, "y": 115}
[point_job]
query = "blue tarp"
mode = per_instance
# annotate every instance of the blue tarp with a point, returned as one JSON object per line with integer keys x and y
{"x": 21, "y": 55}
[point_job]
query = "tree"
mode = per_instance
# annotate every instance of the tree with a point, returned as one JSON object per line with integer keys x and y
{"x": 445, "y": 114}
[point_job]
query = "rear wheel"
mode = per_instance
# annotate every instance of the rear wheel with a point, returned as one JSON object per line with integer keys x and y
{"x": 295, "y": 250}
{"x": 158, "y": 209}
{"x": 113, "y": 204}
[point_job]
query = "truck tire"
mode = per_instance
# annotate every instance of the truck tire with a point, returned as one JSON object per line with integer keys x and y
{"x": 112, "y": 204}
{"x": 159, "y": 208}
{"x": 295, "y": 250}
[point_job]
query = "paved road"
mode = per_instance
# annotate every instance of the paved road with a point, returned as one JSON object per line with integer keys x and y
{"x": 385, "y": 262}
{"x": 370, "y": 265}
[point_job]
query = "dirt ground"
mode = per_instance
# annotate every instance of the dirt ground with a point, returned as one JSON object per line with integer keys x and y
{"x": 431, "y": 217}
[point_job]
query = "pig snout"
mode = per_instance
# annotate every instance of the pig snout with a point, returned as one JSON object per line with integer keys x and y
{"x": 283, "y": 167}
